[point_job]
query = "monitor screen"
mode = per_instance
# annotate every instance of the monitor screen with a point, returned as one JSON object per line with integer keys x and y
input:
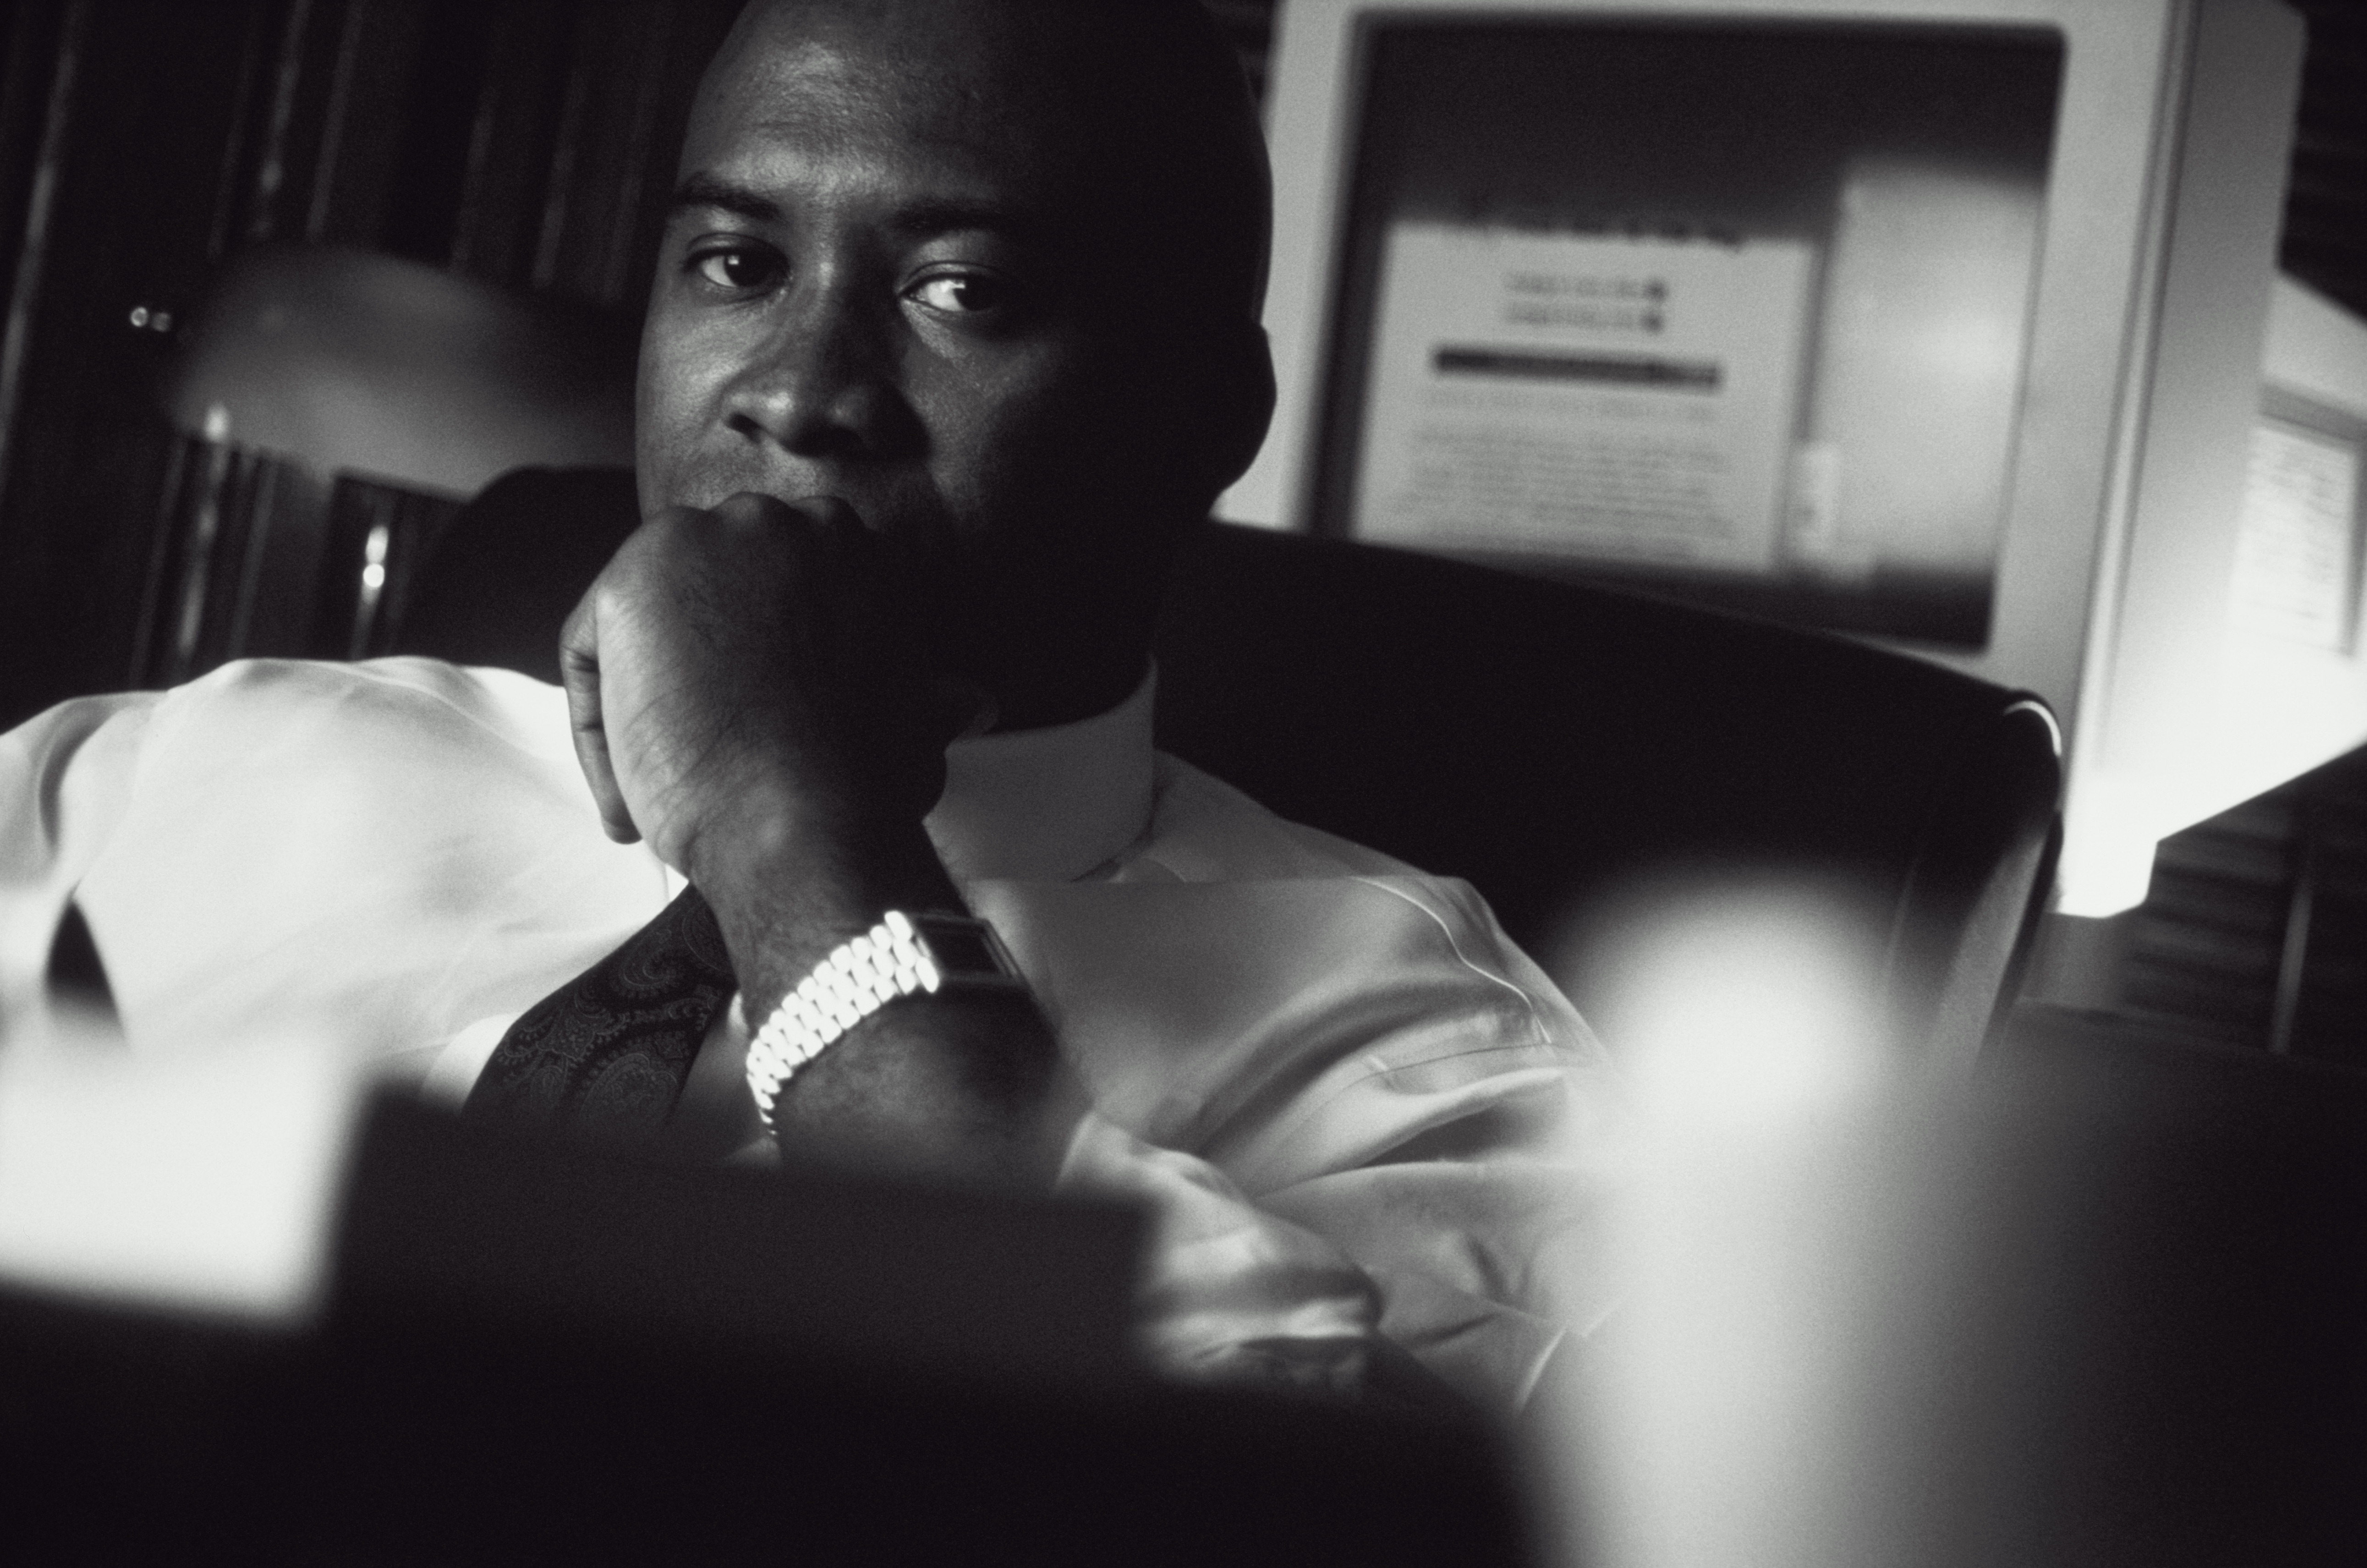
{"x": 2298, "y": 540}
{"x": 1734, "y": 310}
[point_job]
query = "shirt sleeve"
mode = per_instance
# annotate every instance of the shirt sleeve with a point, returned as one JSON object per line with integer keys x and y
{"x": 1361, "y": 1069}
{"x": 1229, "y": 1293}
{"x": 65, "y": 777}
{"x": 1484, "y": 1226}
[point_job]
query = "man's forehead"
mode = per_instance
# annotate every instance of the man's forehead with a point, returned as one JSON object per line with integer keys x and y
{"x": 1121, "y": 128}
{"x": 949, "y": 79}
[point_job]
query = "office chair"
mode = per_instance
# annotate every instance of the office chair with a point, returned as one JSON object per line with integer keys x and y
{"x": 1574, "y": 752}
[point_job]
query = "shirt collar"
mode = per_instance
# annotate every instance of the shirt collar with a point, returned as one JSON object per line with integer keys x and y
{"x": 1048, "y": 805}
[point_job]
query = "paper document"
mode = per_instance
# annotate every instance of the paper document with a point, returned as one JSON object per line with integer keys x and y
{"x": 2297, "y": 555}
{"x": 1601, "y": 398}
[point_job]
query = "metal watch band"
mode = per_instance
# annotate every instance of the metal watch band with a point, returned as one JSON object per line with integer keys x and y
{"x": 902, "y": 955}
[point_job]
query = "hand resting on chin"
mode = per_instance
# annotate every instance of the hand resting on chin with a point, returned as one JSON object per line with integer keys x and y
{"x": 748, "y": 696}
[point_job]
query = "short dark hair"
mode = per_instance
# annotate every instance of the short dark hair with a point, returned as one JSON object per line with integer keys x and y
{"x": 1188, "y": 162}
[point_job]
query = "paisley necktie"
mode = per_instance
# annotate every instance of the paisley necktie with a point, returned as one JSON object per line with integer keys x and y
{"x": 608, "y": 1053}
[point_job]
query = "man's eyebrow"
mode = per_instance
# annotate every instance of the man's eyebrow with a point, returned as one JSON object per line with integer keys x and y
{"x": 714, "y": 193}
{"x": 921, "y": 219}
{"x": 917, "y": 220}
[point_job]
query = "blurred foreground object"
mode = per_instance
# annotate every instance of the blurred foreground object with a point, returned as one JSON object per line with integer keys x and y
{"x": 2099, "y": 1308}
{"x": 194, "y": 1184}
{"x": 536, "y": 1353}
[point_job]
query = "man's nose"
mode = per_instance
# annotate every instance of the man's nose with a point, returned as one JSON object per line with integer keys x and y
{"x": 824, "y": 384}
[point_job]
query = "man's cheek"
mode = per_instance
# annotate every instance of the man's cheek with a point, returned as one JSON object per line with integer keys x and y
{"x": 662, "y": 436}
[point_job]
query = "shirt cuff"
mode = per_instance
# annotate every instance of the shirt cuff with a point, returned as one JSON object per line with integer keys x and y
{"x": 1229, "y": 1293}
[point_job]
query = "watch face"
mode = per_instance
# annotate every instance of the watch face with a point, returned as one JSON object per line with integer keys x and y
{"x": 963, "y": 949}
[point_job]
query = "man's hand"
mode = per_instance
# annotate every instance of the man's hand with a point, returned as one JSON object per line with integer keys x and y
{"x": 747, "y": 695}
{"x": 757, "y": 660}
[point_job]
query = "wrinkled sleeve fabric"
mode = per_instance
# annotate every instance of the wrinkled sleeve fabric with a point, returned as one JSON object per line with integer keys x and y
{"x": 65, "y": 777}
{"x": 1229, "y": 1292}
{"x": 1354, "y": 1108}
{"x": 1483, "y": 1225}
{"x": 361, "y": 857}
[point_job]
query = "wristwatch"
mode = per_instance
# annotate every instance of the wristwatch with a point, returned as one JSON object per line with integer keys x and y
{"x": 903, "y": 954}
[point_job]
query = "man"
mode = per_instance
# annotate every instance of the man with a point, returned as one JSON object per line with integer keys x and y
{"x": 954, "y": 327}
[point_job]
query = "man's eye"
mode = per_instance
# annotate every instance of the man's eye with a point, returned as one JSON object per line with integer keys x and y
{"x": 739, "y": 269}
{"x": 961, "y": 293}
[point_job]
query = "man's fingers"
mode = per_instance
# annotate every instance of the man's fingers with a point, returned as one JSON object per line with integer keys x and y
{"x": 579, "y": 668}
{"x": 756, "y": 639}
{"x": 825, "y": 513}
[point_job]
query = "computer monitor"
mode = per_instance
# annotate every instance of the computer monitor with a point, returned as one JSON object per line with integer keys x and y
{"x": 1737, "y": 308}
{"x": 1936, "y": 323}
{"x": 2292, "y": 688}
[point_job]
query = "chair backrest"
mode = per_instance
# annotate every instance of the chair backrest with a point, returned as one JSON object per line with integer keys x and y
{"x": 1588, "y": 759}
{"x": 1592, "y": 759}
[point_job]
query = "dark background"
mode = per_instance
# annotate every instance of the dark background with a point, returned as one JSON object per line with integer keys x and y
{"x": 529, "y": 143}
{"x": 524, "y": 142}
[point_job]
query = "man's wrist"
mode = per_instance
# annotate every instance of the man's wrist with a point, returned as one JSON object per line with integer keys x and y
{"x": 768, "y": 828}
{"x": 966, "y": 1081}
{"x": 790, "y": 878}
{"x": 915, "y": 956}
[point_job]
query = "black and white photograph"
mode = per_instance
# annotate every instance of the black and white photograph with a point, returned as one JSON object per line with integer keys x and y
{"x": 1562, "y": 784}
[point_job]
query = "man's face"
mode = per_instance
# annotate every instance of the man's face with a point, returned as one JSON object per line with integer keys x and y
{"x": 885, "y": 280}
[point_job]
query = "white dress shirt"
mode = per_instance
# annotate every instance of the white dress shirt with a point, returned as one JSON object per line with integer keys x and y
{"x": 1354, "y": 1108}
